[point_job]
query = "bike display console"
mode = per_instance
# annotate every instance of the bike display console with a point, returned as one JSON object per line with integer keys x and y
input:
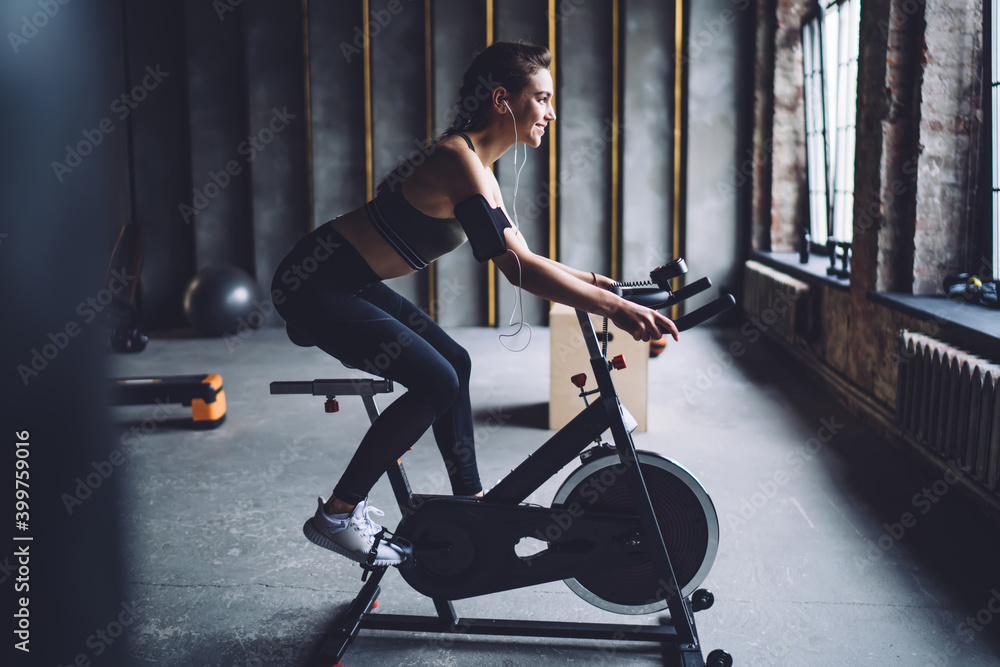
{"x": 642, "y": 535}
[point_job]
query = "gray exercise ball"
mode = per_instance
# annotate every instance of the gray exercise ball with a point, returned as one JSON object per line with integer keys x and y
{"x": 222, "y": 299}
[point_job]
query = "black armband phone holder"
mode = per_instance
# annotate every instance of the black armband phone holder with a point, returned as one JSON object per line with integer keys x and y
{"x": 483, "y": 226}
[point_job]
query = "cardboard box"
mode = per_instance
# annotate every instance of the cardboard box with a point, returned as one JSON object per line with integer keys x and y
{"x": 568, "y": 357}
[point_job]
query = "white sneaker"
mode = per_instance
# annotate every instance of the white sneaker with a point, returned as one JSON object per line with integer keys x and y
{"x": 351, "y": 535}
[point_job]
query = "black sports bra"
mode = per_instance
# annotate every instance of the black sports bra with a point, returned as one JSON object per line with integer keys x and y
{"x": 417, "y": 237}
{"x": 467, "y": 139}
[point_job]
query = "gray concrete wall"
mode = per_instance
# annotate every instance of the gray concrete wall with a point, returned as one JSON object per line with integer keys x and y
{"x": 399, "y": 102}
{"x": 712, "y": 242}
{"x": 277, "y": 152}
{"x": 336, "y": 83}
{"x": 236, "y": 64}
{"x": 584, "y": 88}
{"x": 158, "y": 128}
{"x": 647, "y": 137}
{"x": 460, "y": 281}
{"x": 217, "y": 88}
{"x": 525, "y": 20}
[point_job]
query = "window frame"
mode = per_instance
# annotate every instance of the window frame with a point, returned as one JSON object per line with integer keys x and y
{"x": 840, "y": 148}
{"x": 991, "y": 104}
{"x": 815, "y": 125}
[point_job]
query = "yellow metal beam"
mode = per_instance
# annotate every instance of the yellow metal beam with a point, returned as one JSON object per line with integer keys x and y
{"x": 367, "y": 57}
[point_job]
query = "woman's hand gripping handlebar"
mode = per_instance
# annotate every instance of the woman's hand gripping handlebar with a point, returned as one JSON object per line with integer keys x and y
{"x": 643, "y": 322}
{"x": 657, "y": 294}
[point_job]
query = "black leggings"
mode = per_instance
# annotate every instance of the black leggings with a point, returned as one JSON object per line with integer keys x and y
{"x": 326, "y": 291}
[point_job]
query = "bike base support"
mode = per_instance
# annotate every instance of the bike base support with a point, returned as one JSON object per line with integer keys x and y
{"x": 359, "y": 615}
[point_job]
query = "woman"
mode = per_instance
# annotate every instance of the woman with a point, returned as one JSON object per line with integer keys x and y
{"x": 343, "y": 306}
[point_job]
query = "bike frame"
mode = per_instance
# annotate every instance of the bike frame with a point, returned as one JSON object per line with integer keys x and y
{"x": 603, "y": 413}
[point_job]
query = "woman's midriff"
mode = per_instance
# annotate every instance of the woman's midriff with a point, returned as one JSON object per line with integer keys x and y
{"x": 376, "y": 251}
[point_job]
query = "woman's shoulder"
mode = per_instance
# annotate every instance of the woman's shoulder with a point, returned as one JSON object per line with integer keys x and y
{"x": 453, "y": 171}
{"x": 451, "y": 159}
{"x": 452, "y": 151}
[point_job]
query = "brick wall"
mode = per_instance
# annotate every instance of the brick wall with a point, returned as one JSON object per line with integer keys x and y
{"x": 902, "y": 34}
{"x": 789, "y": 190}
{"x": 918, "y": 128}
{"x": 949, "y": 130}
{"x": 919, "y": 96}
{"x": 763, "y": 125}
{"x": 919, "y": 92}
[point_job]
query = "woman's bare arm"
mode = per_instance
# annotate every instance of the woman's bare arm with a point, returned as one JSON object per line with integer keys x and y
{"x": 547, "y": 279}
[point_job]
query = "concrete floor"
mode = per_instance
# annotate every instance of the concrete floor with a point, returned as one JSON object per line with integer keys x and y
{"x": 815, "y": 565}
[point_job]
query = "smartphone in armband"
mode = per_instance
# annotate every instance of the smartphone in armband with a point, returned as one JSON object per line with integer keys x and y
{"x": 484, "y": 226}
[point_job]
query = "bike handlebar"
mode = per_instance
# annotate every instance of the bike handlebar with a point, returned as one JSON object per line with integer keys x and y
{"x": 708, "y": 311}
{"x": 658, "y": 296}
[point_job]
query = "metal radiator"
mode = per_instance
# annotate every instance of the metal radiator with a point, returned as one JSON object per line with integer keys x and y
{"x": 948, "y": 400}
{"x": 776, "y": 303}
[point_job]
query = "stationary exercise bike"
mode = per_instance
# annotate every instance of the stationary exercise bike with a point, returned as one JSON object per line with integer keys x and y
{"x": 629, "y": 531}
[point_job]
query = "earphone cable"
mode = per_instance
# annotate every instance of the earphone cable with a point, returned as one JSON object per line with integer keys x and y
{"x": 518, "y": 299}
{"x": 517, "y": 171}
{"x": 518, "y": 307}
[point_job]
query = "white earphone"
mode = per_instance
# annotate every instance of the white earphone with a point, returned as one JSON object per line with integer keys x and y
{"x": 518, "y": 304}
{"x": 517, "y": 172}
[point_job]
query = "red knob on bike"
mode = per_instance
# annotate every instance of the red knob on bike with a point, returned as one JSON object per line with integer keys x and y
{"x": 618, "y": 362}
{"x": 579, "y": 380}
{"x": 332, "y": 405}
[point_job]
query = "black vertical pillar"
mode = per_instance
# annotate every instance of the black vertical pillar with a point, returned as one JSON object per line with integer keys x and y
{"x": 220, "y": 212}
{"x": 276, "y": 151}
{"x": 64, "y": 194}
{"x": 157, "y": 108}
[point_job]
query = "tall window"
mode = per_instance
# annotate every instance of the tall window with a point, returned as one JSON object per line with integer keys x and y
{"x": 817, "y": 168}
{"x": 830, "y": 47}
{"x": 994, "y": 78}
